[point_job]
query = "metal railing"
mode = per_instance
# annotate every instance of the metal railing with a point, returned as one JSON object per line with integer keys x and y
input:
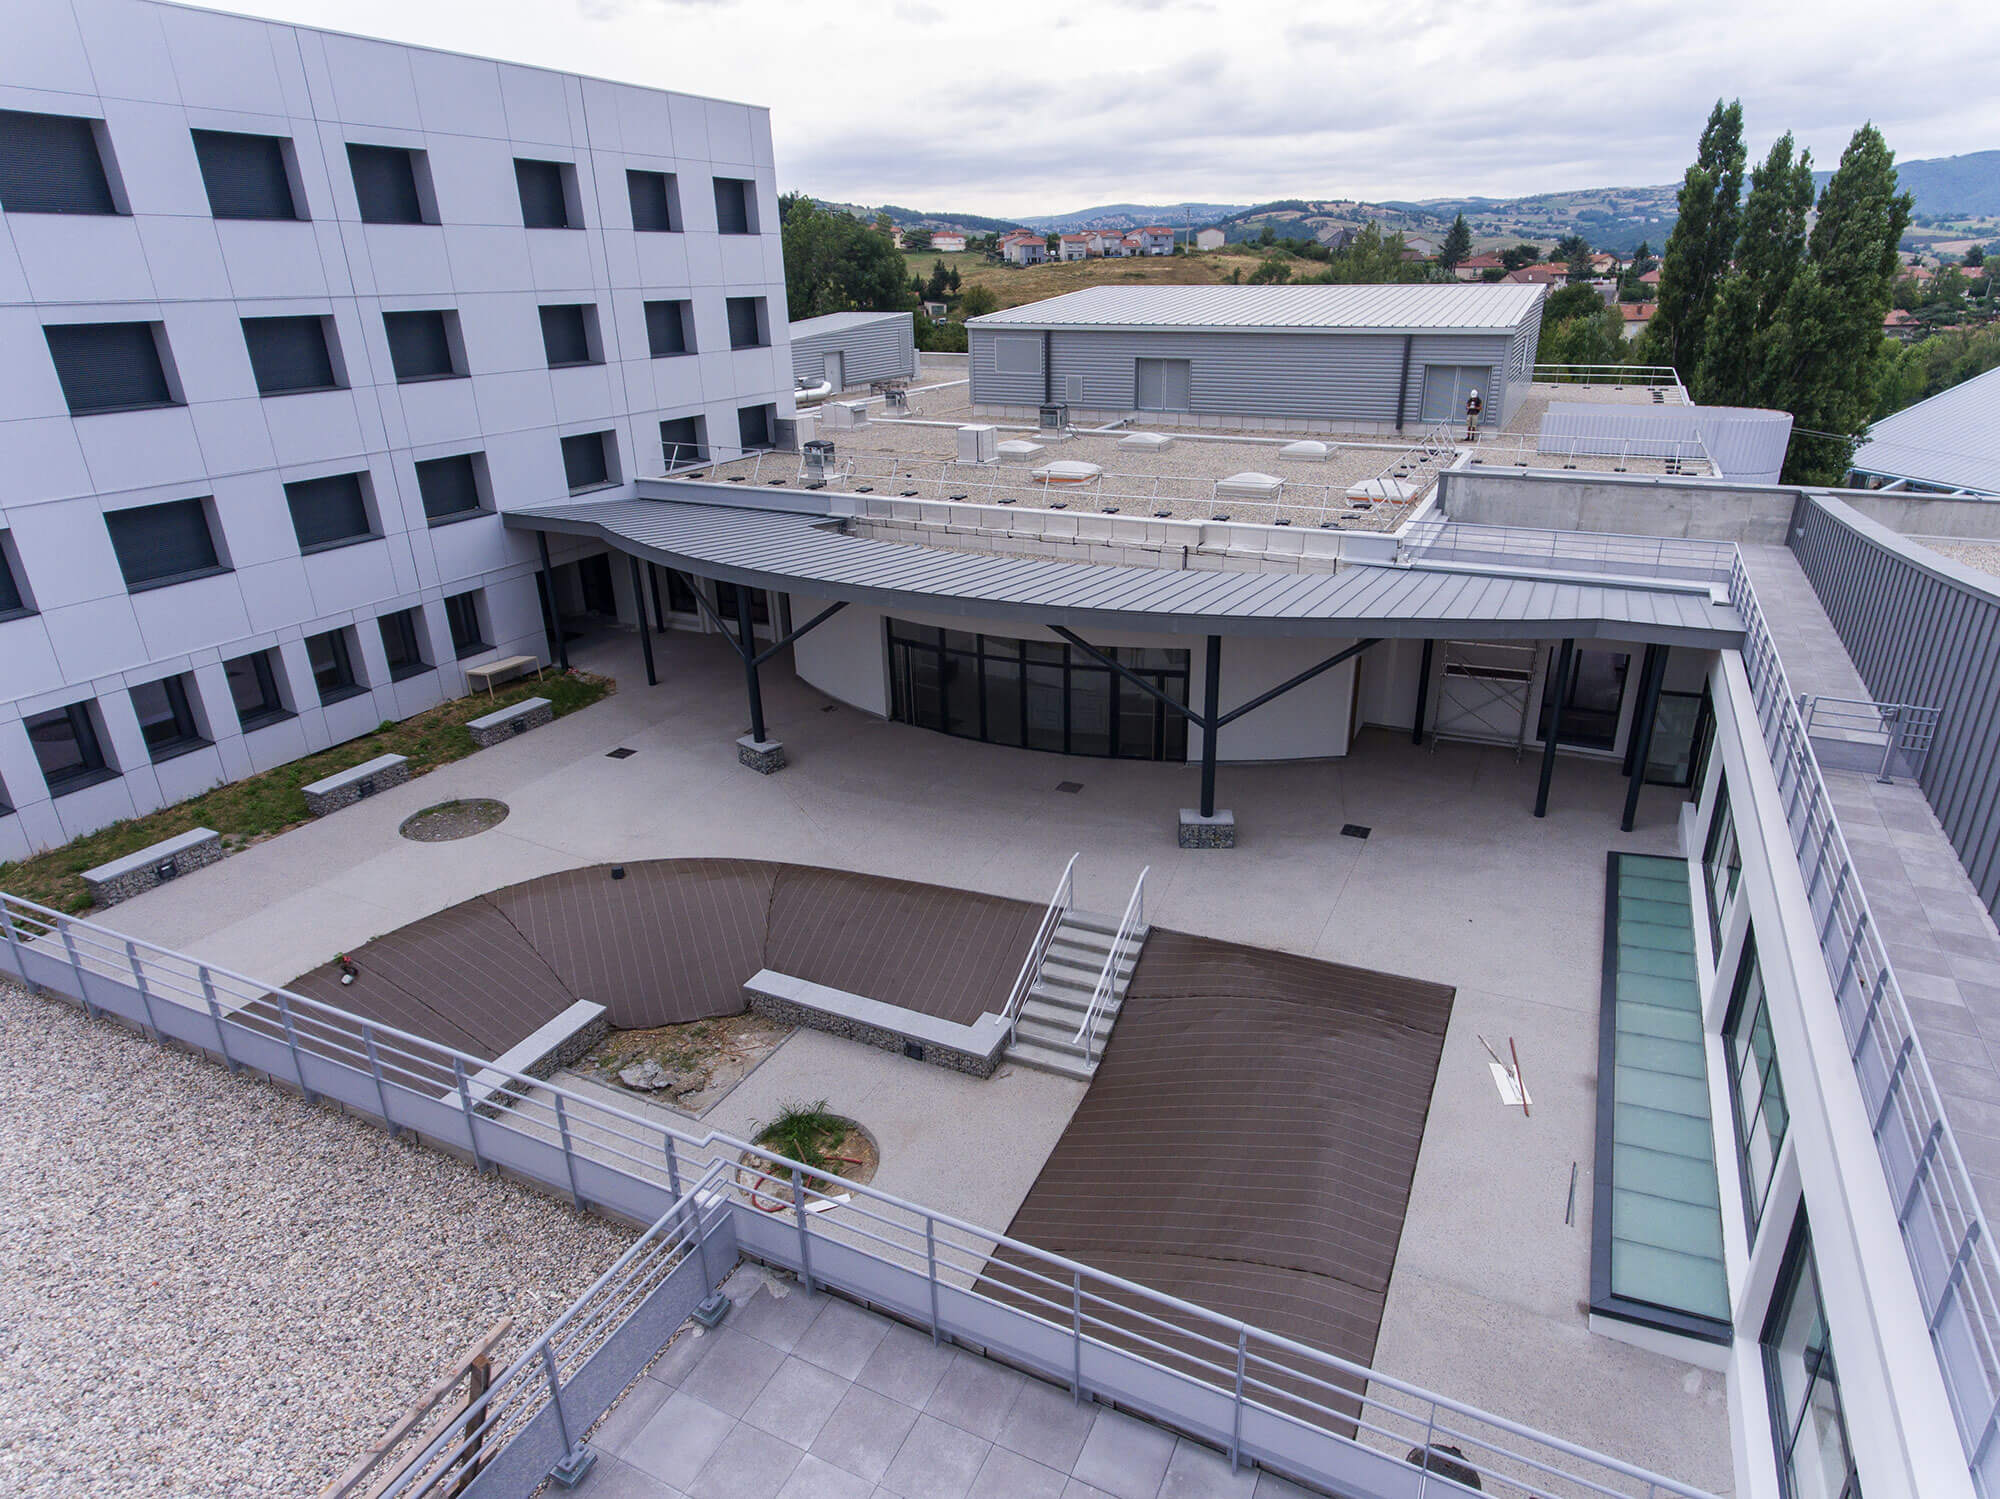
{"x": 1258, "y": 1395}
{"x": 1436, "y": 538}
{"x": 1668, "y": 456}
{"x": 1031, "y": 966}
{"x": 1951, "y": 1249}
{"x": 1858, "y": 733}
{"x": 1644, "y": 376}
{"x": 1086, "y": 1039}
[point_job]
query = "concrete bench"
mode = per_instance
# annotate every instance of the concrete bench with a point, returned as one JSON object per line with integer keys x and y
{"x": 516, "y": 718}
{"x": 563, "y": 1040}
{"x": 155, "y": 864}
{"x": 487, "y": 673}
{"x": 973, "y": 1048}
{"x": 346, "y": 787}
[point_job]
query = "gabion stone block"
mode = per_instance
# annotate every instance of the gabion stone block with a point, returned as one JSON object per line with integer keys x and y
{"x": 517, "y": 718}
{"x": 1197, "y": 831}
{"x": 765, "y": 756}
{"x": 136, "y": 873}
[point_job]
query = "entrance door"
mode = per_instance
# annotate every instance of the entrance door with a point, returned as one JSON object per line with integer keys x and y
{"x": 836, "y": 370}
{"x": 594, "y": 574}
{"x": 1447, "y": 385}
{"x": 1163, "y": 384}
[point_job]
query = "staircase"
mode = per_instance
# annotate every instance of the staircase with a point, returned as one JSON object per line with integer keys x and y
{"x": 1045, "y": 1038}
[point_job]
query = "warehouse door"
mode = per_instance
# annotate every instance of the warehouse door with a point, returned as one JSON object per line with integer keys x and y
{"x": 1447, "y": 385}
{"x": 836, "y": 371}
{"x": 1163, "y": 384}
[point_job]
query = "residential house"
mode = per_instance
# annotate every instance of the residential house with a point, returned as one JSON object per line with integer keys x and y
{"x": 1210, "y": 239}
{"x": 1475, "y": 267}
{"x": 1156, "y": 240}
{"x": 1636, "y": 315}
{"x": 948, "y": 242}
{"x": 1023, "y": 247}
{"x": 1076, "y": 246}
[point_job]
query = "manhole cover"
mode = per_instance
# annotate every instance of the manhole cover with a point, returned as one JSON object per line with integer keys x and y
{"x": 1069, "y": 787}
{"x": 449, "y": 820}
{"x": 1355, "y": 830}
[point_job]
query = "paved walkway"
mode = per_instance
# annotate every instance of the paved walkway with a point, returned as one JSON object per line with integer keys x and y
{"x": 1940, "y": 936}
{"x": 805, "y": 1396}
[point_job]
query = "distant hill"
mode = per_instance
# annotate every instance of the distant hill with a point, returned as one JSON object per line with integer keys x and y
{"x": 1133, "y": 216}
{"x": 1949, "y": 186}
{"x": 911, "y": 218}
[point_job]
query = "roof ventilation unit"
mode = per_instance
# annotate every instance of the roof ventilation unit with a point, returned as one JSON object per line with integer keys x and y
{"x": 1055, "y": 417}
{"x": 1068, "y": 471}
{"x": 818, "y": 456}
{"x": 1305, "y": 452}
{"x": 895, "y": 400}
{"x": 1250, "y": 486}
{"x": 845, "y": 416}
{"x": 1017, "y": 451}
{"x": 1146, "y": 442}
{"x": 978, "y": 443}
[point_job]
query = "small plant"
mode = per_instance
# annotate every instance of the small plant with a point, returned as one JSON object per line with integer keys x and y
{"x": 806, "y": 1133}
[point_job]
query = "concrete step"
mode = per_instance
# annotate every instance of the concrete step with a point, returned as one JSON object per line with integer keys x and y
{"x": 1065, "y": 1001}
{"x": 1060, "y": 1029}
{"x": 1090, "y": 954}
{"x": 1026, "y": 1053}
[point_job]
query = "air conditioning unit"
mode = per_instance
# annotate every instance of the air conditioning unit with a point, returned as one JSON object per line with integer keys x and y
{"x": 895, "y": 401}
{"x": 1055, "y": 418}
{"x": 845, "y": 416}
{"x": 978, "y": 444}
{"x": 818, "y": 456}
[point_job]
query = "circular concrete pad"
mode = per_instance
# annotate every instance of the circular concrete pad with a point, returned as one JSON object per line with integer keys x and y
{"x": 456, "y": 819}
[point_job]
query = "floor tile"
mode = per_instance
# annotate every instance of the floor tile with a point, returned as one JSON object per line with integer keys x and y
{"x": 906, "y": 1366}
{"x": 937, "y": 1461}
{"x": 750, "y": 1464}
{"x": 682, "y": 1435}
{"x": 1198, "y": 1472}
{"x": 1124, "y": 1457}
{"x": 732, "y": 1371}
{"x": 975, "y": 1395}
{"x": 1077, "y": 1489}
{"x": 796, "y": 1401}
{"x": 610, "y": 1479}
{"x": 863, "y": 1433}
{"x": 681, "y": 1355}
{"x": 1271, "y": 1486}
{"x": 1008, "y": 1475}
{"x": 779, "y": 1320}
{"x": 1046, "y": 1424}
{"x": 841, "y": 1338}
{"x": 625, "y": 1419}
{"x": 815, "y": 1478}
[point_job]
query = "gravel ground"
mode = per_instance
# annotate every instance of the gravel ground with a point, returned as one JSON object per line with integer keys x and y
{"x": 451, "y": 820}
{"x": 209, "y": 1287}
{"x": 1981, "y": 556}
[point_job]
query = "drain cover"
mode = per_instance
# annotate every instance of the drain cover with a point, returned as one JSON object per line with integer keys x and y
{"x": 1354, "y": 830}
{"x": 621, "y": 753}
{"x": 1071, "y": 787}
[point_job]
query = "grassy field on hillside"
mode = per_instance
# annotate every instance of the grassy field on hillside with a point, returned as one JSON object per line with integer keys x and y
{"x": 1015, "y": 284}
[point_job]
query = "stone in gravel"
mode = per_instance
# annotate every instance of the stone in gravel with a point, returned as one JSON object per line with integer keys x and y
{"x": 649, "y": 1076}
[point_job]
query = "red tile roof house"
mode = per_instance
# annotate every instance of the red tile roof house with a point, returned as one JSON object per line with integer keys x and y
{"x": 1548, "y": 274}
{"x": 1023, "y": 248}
{"x": 949, "y": 243}
{"x": 1154, "y": 239}
{"x": 1636, "y": 315}
{"x": 1475, "y": 266}
{"x": 1077, "y": 246}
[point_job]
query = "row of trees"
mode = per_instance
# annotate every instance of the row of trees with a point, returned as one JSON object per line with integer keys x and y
{"x": 1762, "y": 303}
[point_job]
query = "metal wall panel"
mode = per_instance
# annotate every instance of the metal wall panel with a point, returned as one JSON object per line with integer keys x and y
{"x": 881, "y": 349}
{"x": 1920, "y": 630}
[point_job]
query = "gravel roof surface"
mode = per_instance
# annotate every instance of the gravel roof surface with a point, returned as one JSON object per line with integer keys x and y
{"x": 210, "y": 1287}
{"x": 1982, "y": 556}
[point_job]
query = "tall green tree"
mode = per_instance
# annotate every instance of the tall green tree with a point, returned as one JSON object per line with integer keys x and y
{"x": 1823, "y": 362}
{"x": 1457, "y": 244}
{"x": 836, "y": 263}
{"x": 1699, "y": 248}
{"x": 1770, "y": 250}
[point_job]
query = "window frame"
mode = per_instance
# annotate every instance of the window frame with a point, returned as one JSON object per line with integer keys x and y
{"x": 471, "y": 601}
{"x": 447, "y": 327}
{"x": 95, "y": 767}
{"x": 329, "y": 345}
{"x": 55, "y": 333}
{"x": 678, "y": 311}
{"x": 670, "y": 200}
{"x": 1745, "y": 1117}
{"x": 14, "y": 577}
{"x": 220, "y": 565}
{"x": 593, "y": 344}
{"x": 566, "y": 188}
{"x": 187, "y": 736}
{"x": 287, "y": 169}
{"x": 1721, "y": 827}
{"x": 1793, "y": 1271}
{"x": 607, "y": 440}
{"x": 402, "y": 631}
{"x": 363, "y": 492}
{"x": 756, "y": 308}
{"x": 769, "y": 441}
{"x": 475, "y": 463}
{"x": 342, "y": 651}
{"x": 107, "y": 172}
{"x": 747, "y": 187}
{"x": 417, "y": 160}
{"x": 272, "y": 708}
{"x": 698, "y": 425}
{"x": 1011, "y": 349}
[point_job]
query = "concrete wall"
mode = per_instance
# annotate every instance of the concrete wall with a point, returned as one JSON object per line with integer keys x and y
{"x": 1704, "y": 509}
{"x": 1925, "y": 515}
{"x": 151, "y": 73}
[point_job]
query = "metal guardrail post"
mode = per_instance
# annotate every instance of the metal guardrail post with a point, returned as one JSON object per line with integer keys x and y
{"x": 13, "y": 941}
{"x": 1236, "y": 1425}
{"x": 465, "y": 1103}
{"x": 555, "y": 1399}
{"x": 673, "y": 1166}
{"x": 1076, "y": 1335}
{"x": 1957, "y": 1273}
{"x": 569, "y": 1154}
{"x": 381, "y": 1087}
{"x": 805, "y": 1234}
{"x": 292, "y": 1041}
{"x": 145, "y": 992}
{"x": 76, "y": 967}
{"x": 207, "y": 981}
{"x": 1895, "y": 1081}
{"x": 1923, "y": 1169}
{"x": 930, "y": 1257}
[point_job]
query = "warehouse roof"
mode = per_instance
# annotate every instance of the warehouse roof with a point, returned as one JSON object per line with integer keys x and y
{"x": 1455, "y": 307}
{"x": 806, "y": 553}
{"x": 1952, "y": 440}
{"x": 836, "y": 322}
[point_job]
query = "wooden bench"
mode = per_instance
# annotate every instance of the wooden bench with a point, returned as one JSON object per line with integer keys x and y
{"x": 487, "y": 673}
{"x": 346, "y": 787}
{"x": 515, "y": 718}
{"x": 973, "y": 1048}
{"x": 155, "y": 864}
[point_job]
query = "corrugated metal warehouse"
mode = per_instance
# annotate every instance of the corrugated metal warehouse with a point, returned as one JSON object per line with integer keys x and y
{"x": 848, "y": 349}
{"x": 1366, "y": 359}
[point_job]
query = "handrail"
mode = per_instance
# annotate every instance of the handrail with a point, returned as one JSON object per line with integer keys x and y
{"x": 1439, "y": 538}
{"x": 1605, "y": 374}
{"x": 1031, "y": 966}
{"x": 1107, "y": 981}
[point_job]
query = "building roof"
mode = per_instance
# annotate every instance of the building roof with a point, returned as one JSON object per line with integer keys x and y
{"x": 809, "y": 553}
{"x": 1637, "y": 312}
{"x": 838, "y": 322}
{"x": 1953, "y": 439}
{"x": 1482, "y": 262}
{"x": 1539, "y": 275}
{"x": 1401, "y": 307}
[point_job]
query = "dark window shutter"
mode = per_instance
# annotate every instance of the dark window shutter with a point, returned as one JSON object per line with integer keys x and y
{"x": 652, "y": 203}
{"x": 245, "y": 175}
{"x": 583, "y": 460}
{"x": 385, "y": 183}
{"x": 108, "y": 366}
{"x": 666, "y": 328}
{"x": 10, "y": 591}
{"x": 680, "y": 440}
{"x": 288, "y": 354}
{"x": 449, "y": 486}
{"x": 565, "y": 335}
{"x": 326, "y": 512}
{"x": 400, "y": 644}
{"x": 461, "y": 612}
{"x": 732, "y": 206}
{"x": 743, "y": 332}
{"x": 419, "y": 345}
{"x": 49, "y": 164}
{"x": 544, "y": 205}
{"x": 158, "y": 542}
{"x": 753, "y": 426}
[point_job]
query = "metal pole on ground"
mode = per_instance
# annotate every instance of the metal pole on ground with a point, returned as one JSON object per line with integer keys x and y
{"x": 746, "y": 643}
{"x": 546, "y": 579}
{"x": 1423, "y": 694}
{"x": 1565, "y": 662}
{"x": 1211, "y": 711}
{"x": 645, "y": 628}
{"x": 1650, "y": 677}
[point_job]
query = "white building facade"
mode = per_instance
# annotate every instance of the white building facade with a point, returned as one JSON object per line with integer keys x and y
{"x": 289, "y": 318}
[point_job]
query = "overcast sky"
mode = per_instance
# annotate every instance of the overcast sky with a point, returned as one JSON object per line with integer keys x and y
{"x": 1019, "y": 108}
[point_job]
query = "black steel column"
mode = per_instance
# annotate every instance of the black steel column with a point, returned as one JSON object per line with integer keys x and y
{"x": 558, "y": 647}
{"x": 659, "y": 610}
{"x": 645, "y": 629}
{"x": 1211, "y": 712}
{"x": 746, "y": 643}
{"x": 1564, "y": 661}
{"x": 1651, "y": 677}
{"x": 1423, "y": 695}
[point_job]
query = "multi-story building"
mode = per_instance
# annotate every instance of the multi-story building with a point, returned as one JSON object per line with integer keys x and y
{"x": 290, "y": 317}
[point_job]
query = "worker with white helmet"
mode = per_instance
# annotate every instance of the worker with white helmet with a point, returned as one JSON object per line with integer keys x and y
{"x": 1473, "y": 406}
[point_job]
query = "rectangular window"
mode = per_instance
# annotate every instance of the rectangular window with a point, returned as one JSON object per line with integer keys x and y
{"x": 544, "y": 193}
{"x": 109, "y": 366}
{"x": 1596, "y": 695}
{"x": 680, "y": 596}
{"x": 1754, "y": 1084}
{"x": 162, "y": 544}
{"x": 729, "y": 598}
{"x": 1807, "y": 1423}
{"x": 245, "y": 175}
{"x": 1678, "y": 730}
{"x": 669, "y": 328}
{"x": 1721, "y": 866}
{"x": 332, "y": 661}
{"x": 450, "y": 488}
{"x": 13, "y": 598}
{"x": 746, "y": 323}
{"x": 165, "y": 719}
{"x": 753, "y": 427}
{"x": 683, "y": 440}
{"x": 289, "y": 354}
{"x": 656, "y": 201}
{"x": 385, "y": 184}
{"x": 586, "y": 463}
{"x": 461, "y": 611}
{"x": 1017, "y": 354}
{"x": 253, "y": 687}
{"x": 330, "y": 512}
{"x": 400, "y": 637}
{"x": 566, "y": 335}
{"x": 735, "y": 206}
{"x": 67, "y": 748}
{"x": 51, "y": 164}
{"x": 421, "y": 346}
